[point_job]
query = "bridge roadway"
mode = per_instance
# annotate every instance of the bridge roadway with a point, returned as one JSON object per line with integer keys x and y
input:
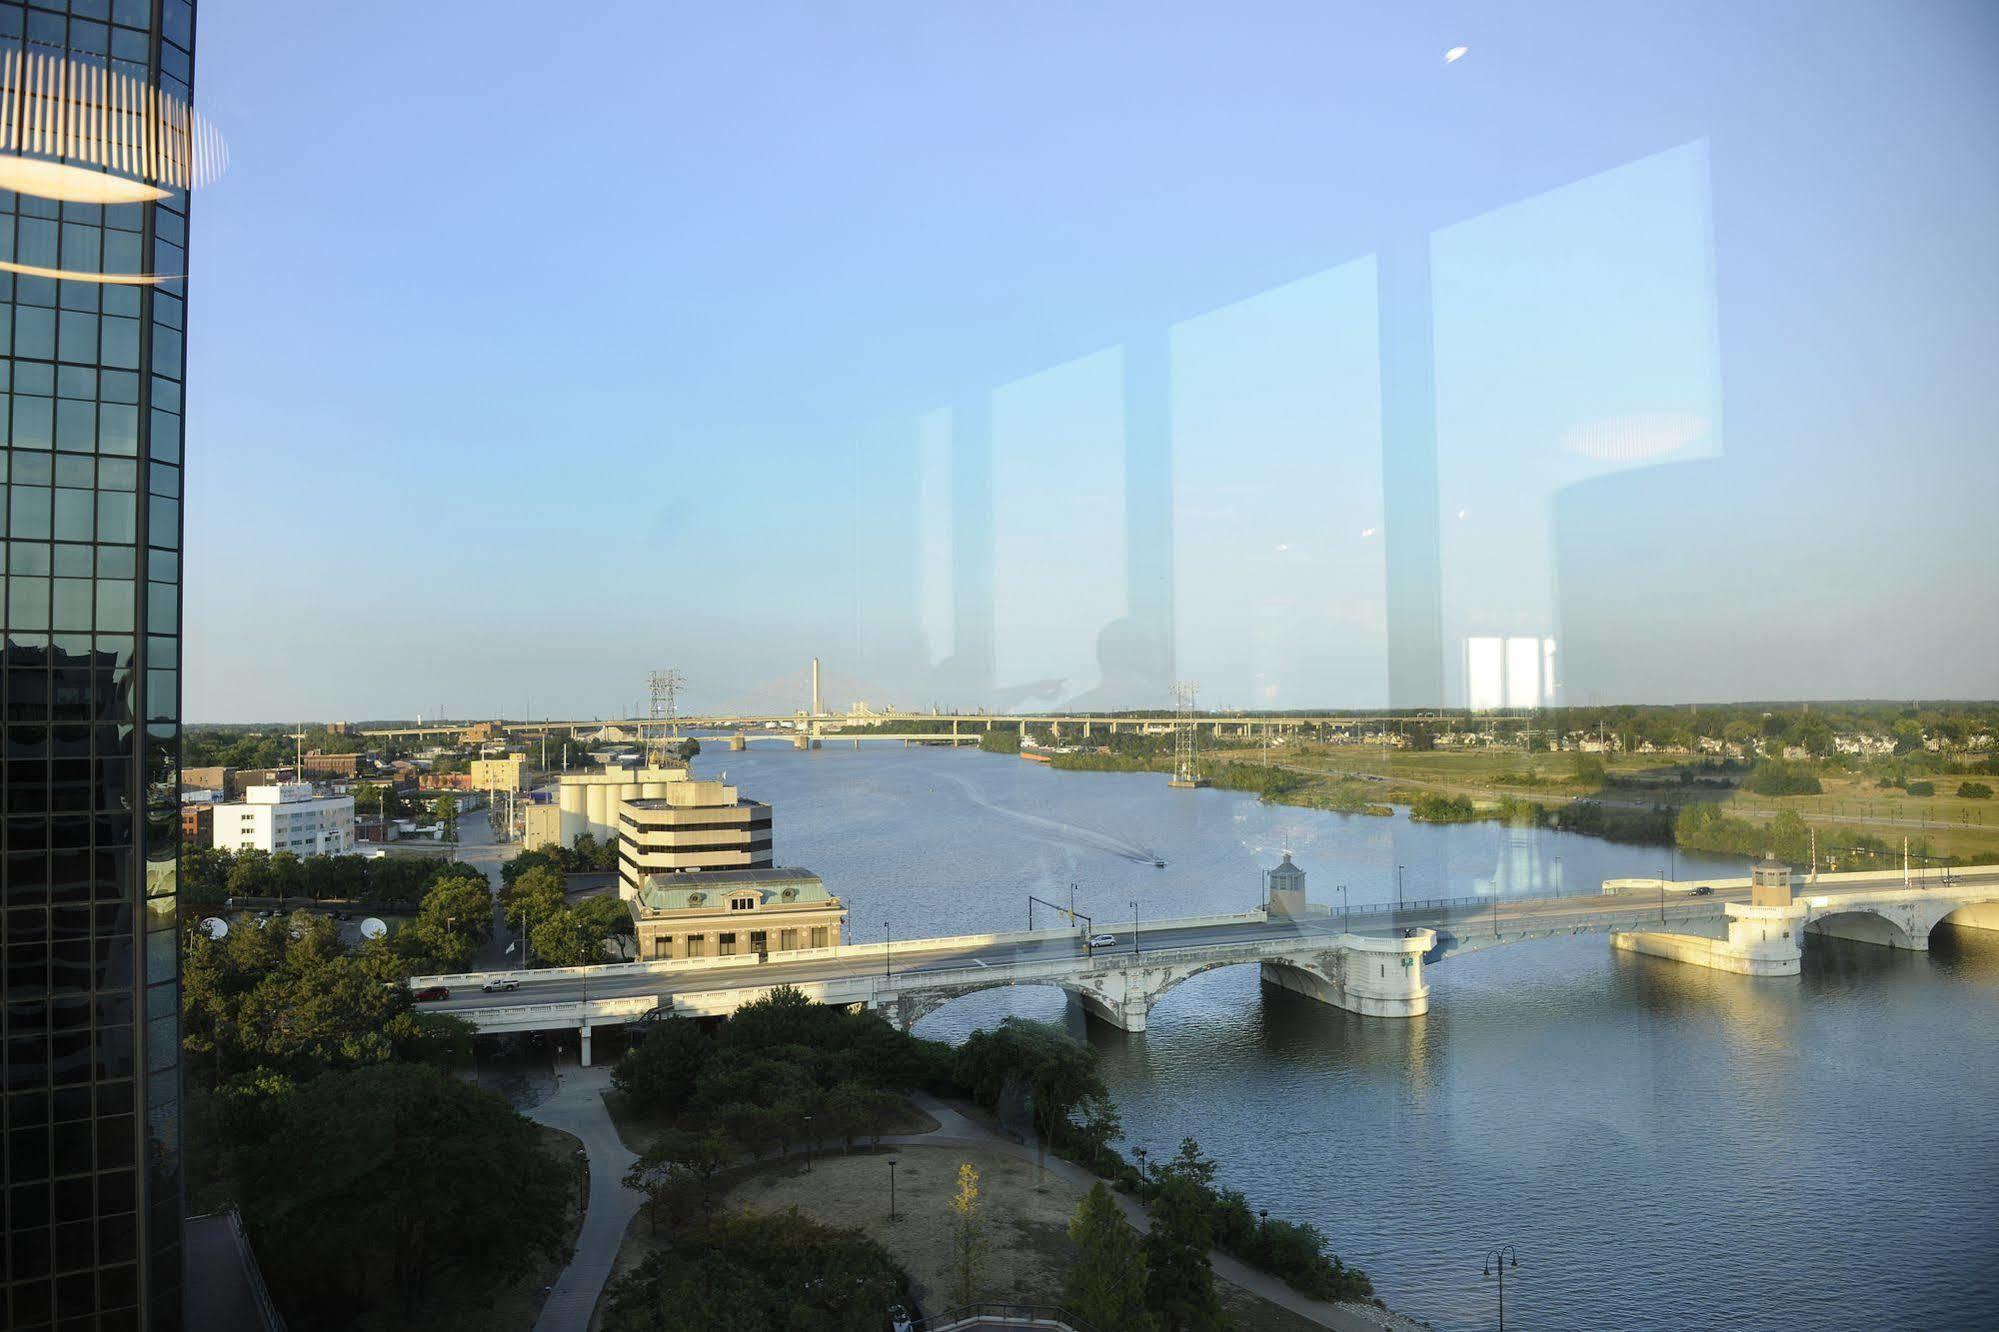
{"x": 1371, "y": 961}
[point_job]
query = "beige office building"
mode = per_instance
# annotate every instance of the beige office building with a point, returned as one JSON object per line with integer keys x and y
{"x": 735, "y": 913}
{"x": 541, "y": 826}
{"x": 500, "y": 774}
{"x": 697, "y": 826}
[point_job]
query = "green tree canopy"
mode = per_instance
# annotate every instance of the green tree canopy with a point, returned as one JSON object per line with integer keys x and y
{"x": 779, "y": 1271}
{"x": 380, "y": 1179}
{"x": 1107, "y": 1277}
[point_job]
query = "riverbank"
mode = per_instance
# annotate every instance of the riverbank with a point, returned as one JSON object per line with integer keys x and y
{"x": 1639, "y": 801}
{"x": 1029, "y": 1198}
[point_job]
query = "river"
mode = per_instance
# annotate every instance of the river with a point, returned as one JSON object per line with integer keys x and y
{"x": 1667, "y": 1147}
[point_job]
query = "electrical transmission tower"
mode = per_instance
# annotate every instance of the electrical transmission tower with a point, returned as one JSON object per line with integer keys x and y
{"x": 1186, "y": 743}
{"x": 664, "y": 689}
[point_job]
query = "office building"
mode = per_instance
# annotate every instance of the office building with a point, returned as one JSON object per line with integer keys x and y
{"x": 690, "y": 826}
{"x": 735, "y": 913}
{"x": 500, "y": 774}
{"x": 287, "y": 817}
{"x": 91, "y": 673}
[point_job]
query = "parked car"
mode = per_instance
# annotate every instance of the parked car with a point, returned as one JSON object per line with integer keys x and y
{"x": 500, "y": 985}
{"x": 1703, "y": 891}
{"x": 431, "y": 992}
{"x": 1103, "y": 940}
{"x": 898, "y": 1319}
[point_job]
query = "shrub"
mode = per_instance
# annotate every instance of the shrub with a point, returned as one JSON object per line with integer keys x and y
{"x": 1974, "y": 791}
{"x": 1772, "y": 777}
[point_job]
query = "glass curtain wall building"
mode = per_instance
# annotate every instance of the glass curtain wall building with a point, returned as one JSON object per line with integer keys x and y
{"x": 90, "y": 379}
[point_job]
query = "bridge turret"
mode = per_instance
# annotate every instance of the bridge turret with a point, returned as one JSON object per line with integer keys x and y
{"x": 1770, "y": 884}
{"x": 1286, "y": 889}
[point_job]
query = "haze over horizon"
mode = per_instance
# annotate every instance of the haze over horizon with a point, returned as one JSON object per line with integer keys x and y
{"x": 1038, "y": 358}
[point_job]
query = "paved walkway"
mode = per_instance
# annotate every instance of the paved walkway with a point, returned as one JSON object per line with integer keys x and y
{"x": 956, "y": 1129}
{"x": 578, "y": 1107}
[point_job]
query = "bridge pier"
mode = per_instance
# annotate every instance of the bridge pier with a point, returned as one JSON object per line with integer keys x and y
{"x": 1370, "y": 976}
{"x": 1762, "y": 941}
{"x": 583, "y": 1045}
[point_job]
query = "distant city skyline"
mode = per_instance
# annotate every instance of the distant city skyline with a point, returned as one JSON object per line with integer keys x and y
{"x": 1606, "y": 363}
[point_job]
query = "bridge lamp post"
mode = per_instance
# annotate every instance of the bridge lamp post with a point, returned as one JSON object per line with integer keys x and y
{"x": 891, "y": 1188}
{"x": 888, "y": 960}
{"x": 1341, "y": 889}
{"x": 1500, "y": 1258}
{"x": 1134, "y": 927}
{"x": 1398, "y": 887}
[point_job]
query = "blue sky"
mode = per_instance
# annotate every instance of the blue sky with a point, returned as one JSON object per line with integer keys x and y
{"x": 533, "y": 348}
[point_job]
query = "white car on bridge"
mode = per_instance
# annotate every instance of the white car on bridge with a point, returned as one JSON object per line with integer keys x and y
{"x": 500, "y": 985}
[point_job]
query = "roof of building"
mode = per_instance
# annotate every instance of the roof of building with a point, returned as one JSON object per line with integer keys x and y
{"x": 1287, "y": 875}
{"x": 712, "y": 888}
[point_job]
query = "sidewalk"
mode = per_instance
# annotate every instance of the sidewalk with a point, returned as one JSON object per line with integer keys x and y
{"x": 958, "y": 1130}
{"x": 578, "y": 1107}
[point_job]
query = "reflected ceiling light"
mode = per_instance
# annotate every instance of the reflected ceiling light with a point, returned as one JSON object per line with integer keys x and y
{"x": 1455, "y": 54}
{"x": 1366, "y": 532}
{"x": 1635, "y": 438}
{"x": 80, "y": 133}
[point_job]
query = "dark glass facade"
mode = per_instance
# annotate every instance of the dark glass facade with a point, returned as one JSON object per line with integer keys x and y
{"x": 90, "y": 398}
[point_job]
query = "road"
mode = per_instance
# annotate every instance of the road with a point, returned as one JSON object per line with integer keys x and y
{"x": 478, "y": 846}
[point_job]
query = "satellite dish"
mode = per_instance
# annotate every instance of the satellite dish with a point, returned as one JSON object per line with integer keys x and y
{"x": 215, "y": 927}
{"x": 373, "y": 928}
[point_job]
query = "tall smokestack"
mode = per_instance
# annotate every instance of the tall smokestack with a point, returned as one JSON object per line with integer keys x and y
{"x": 815, "y": 686}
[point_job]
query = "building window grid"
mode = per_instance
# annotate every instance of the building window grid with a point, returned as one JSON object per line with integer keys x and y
{"x": 82, "y": 340}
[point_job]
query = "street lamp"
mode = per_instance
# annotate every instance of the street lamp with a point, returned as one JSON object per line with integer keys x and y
{"x": 1503, "y": 1257}
{"x": 891, "y": 1188}
{"x": 1341, "y": 889}
{"x": 1143, "y": 1178}
{"x": 1398, "y": 887}
{"x": 887, "y": 973}
{"x": 1134, "y": 927}
{"x": 808, "y": 1144}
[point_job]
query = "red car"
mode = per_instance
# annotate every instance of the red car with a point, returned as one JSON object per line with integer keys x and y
{"x": 430, "y": 992}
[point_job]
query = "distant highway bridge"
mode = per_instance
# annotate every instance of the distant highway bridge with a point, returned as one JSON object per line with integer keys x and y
{"x": 1371, "y": 961}
{"x": 843, "y": 725}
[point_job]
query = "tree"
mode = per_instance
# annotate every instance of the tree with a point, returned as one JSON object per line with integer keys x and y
{"x": 659, "y": 1074}
{"x": 560, "y": 940}
{"x": 1180, "y": 1283}
{"x": 606, "y": 919}
{"x": 677, "y": 1175}
{"x": 444, "y": 810}
{"x": 455, "y": 918}
{"x": 1107, "y": 1277}
{"x": 531, "y": 896}
{"x": 968, "y": 1237}
{"x": 404, "y": 1171}
{"x": 777, "y": 1271}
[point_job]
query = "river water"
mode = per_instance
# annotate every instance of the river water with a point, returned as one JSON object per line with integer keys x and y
{"x": 1667, "y": 1147}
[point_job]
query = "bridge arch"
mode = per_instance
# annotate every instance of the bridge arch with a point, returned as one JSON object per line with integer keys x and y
{"x": 1970, "y": 916}
{"x": 911, "y": 1006}
{"x": 1867, "y": 925}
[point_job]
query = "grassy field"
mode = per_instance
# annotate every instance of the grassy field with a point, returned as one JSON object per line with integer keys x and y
{"x": 1027, "y": 1212}
{"x": 1948, "y": 825}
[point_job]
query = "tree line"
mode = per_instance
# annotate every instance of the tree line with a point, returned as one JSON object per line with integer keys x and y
{"x": 317, "y": 1098}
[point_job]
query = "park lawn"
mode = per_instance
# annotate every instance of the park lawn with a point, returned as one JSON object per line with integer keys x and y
{"x": 1027, "y": 1212}
{"x": 1507, "y": 771}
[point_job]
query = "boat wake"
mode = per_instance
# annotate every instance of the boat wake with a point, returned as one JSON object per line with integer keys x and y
{"x": 1058, "y": 831}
